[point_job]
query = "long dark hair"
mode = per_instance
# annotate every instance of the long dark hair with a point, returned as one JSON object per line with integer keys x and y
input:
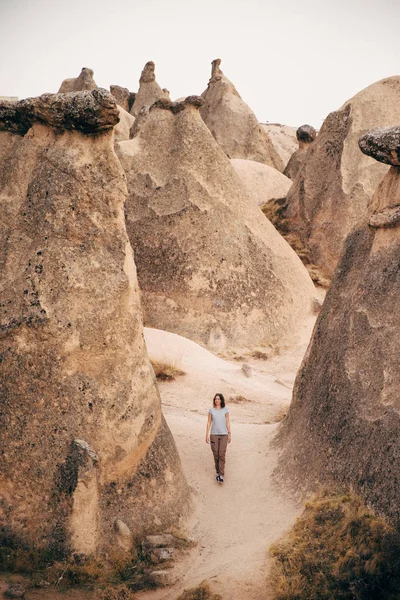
{"x": 222, "y": 400}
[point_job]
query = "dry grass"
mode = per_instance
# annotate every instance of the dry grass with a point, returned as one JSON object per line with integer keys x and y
{"x": 166, "y": 370}
{"x": 275, "y": 211}
{"x": 121, "y": 592}
{"x": 115, "y": 575}
{"x": 338, "y": 550}
{"x": 239, "y": 400}
{"x": 202, "y": 592}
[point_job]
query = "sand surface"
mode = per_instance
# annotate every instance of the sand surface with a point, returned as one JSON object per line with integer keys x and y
{"x": 233, "y": 524}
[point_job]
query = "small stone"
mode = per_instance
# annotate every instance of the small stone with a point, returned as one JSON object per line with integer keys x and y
{"x": 123, "y": 534}
{"x": 316, "y": 306}
{"x": 15, "y": 590}
{"x": 164, "y": 578}
{"x": 162, "y": 540}
{"x": 383, "y": 144}
{"x": 162, "y": 554}
{"x": 247, "y": 370}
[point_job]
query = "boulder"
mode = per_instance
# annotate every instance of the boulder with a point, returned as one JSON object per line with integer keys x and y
{"x": 82, "y": 437}
{"x": 123, "y": 129}
{"x": 233, "y": 124}
{"x": 83, "y": 82}
{"x": 261, "y": 182}
{"x": 343, "y": 425}
{"x": 149, "y": 90}
{"x": 330, "y": 195}
{"x": 283, "y": 139}
{"x": 210, "y": 267}
{"x": 123, "y": 96}
{"x": 306, "y": 135}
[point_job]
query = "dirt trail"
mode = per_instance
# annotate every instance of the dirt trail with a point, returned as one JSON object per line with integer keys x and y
{"x": 233, "y": 524}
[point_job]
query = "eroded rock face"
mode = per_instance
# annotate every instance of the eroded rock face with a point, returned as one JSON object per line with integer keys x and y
{"x": 123, "y": 96}
{"x": 83, "y": 82}
{"x": 262, "y": 183}
{"x": 283, "y": 139}
{"x": 210, "y": 267}
{"x": 343, "y": 425}
{"x": 306, "y": 135}
{"x": 82, "y": 437}
{"x": 233, "y": 124}
{"x": 149, "y": 90}
{"x": 123, "y": 130}
{"x": 330, "y": 195}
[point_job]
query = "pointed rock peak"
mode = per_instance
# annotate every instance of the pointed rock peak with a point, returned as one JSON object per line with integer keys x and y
{"x": 149, "y": 90}
{"x": 216, "y": 72}
{"x": 148, "y": 74}
{"x": 83, "y": 82}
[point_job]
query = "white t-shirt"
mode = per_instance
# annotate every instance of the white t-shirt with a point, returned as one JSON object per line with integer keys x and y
{"x": 218, "y": 423}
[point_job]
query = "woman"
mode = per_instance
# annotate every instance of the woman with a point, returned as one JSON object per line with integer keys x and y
{"x": 218, "y": 420}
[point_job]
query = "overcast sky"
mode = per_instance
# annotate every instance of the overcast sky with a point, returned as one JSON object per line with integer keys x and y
{"x": 292, "y": 61}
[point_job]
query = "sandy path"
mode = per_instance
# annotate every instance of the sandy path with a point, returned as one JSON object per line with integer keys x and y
{"x": 233, "y": 524}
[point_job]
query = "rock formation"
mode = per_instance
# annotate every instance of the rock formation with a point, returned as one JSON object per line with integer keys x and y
{"x": 81, "y": 83}
{"x": 123, "y": 96}
{"x": 123, "y": 130}
{"x": 83, "y": 442}
{"x": 283, "y": 139}
{"x": 344, "y": 422}
{"x": 210, "y": 267}
{"x": 306, "y": 135}
{"x": 331, "y": 192}
{"x": 149, "y": 90}
{"x": 262, "y": 183}
{"x": 233, "y": 124}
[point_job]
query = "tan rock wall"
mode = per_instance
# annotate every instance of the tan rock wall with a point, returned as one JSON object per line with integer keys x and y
{"x": 343, "y": 424}
{"x": 82, "y": 439}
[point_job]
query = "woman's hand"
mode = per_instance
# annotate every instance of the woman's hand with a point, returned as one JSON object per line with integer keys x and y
{"x": 229, "y": 437}
{"x": 207, "y": 439}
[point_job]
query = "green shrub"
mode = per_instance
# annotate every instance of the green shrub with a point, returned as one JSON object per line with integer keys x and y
{"x": 337, "y": 550}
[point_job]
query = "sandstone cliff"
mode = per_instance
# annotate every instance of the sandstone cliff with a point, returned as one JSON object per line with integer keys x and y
{"x": 283, "y": 139}
{"x": 261, "y": 182}
{"x": 82, "y": 437}
{"x": 210, "y": 266}
{"x": 233, "y": 123}
{"x": 331, "y": 192}
{"x": 343, "y": 425}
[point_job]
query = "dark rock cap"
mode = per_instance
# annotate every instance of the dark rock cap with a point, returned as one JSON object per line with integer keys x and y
{"x": 306, "y": 133}
{"x": 383, "y": 144}
{"x": 88, "y": 111}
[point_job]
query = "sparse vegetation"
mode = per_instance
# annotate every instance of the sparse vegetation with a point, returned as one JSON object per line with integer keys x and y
{"x": 114, "y": 577}
{"x": 338, "y": 550}
{"x": 166, "y": 370}
{"x": 275, "y": 211}
{"x": 202, "y": 592}
{"x": 239, "y": 400}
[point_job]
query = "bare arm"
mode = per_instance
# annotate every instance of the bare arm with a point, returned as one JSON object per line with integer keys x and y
{"x": 208, "y": 429}
{"x": 228, "y": 425}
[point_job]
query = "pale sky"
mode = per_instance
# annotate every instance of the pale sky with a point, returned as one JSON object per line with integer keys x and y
{"x": 292, "y": 61}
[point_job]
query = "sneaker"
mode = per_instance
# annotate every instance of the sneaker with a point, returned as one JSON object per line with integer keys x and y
{"x": 220, "y": 479}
